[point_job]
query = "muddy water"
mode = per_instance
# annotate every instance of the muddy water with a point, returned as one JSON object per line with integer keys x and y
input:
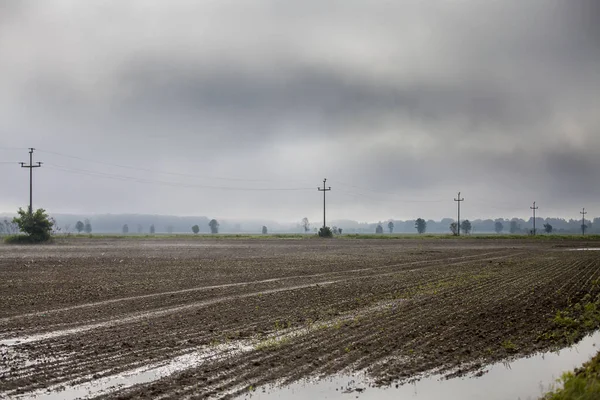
{"x": 147, "y": 374}
{"x": 526, "y": 378}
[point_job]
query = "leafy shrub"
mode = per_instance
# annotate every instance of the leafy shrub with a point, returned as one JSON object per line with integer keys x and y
{"x": 325, "y": 232}
{"x": 36, "y": 226}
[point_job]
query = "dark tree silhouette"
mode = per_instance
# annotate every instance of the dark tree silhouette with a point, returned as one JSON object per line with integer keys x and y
{"x": 79, "y": 226}
{"x": 87, "y": 227}
{"x": 195, "y": 229}
{"x": 548, "y": 228}
{"x": 421, "y": 225}
{"x": 379, "y": 229}
{"x": 498, "y": 226}
{"x": 305, "y": 224}
{"x": 125, "y": 229}
{"x": 214, "y": 226}
{"x": 325, "y": 232}
{"x": 466, "y": 226}
{"x": 264, "y": 230}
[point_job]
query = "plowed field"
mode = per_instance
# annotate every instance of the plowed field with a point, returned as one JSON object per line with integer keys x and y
{"x": 224, "y": 316}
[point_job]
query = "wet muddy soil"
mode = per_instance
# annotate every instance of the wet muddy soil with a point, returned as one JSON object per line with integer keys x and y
{"x": 84, "y": 311}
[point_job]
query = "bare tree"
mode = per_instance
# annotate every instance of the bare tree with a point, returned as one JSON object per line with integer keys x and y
{"x": 305, "y": 224}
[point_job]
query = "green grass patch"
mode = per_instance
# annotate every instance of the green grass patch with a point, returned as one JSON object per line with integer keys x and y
{"x": 571, "y": 324}
{"x": 509, "y": 346}
{"x": 582, "y": 384}
{"x": 22, "y": 239}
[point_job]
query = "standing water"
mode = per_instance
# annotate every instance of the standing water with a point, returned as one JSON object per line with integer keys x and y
{"x": 525, "y": 378}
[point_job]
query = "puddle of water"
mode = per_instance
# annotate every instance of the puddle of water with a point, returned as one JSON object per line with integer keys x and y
{"x": 145, "y": 374}
{"x": 526, "y": 378}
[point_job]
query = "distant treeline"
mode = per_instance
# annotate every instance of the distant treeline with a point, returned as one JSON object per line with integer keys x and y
{"x": 165, "y": 224}
{"x": 518, "y": 225}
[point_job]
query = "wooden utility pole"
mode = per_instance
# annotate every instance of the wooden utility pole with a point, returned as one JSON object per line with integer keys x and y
{"x": 534, "y": 208}
{"x": 583, "y": 220}
{"x": 31, "y": 167}
{"x": 459, "y": 200}
{"x": 324, "y": 190}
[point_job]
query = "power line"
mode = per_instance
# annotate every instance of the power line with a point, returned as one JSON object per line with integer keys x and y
{"x": 389, "y": 200}
{"x": 583, "y": 221}
{"x": 31, "y": 166}
{"x": 389, "y": 193}
{"x": 324, "y": 190}
{"x": 167, "y": 183}
{"x": 155, "y": 171}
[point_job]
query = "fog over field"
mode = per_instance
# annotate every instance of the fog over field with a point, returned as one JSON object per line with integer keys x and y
{"x": 240, "y": 109}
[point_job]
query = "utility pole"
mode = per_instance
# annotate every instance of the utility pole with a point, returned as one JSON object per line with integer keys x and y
{"x": 534, "y": 208}
{"x": 31, "y": 167}
{"x": 459, "y": 200}
{"x": 583, "y": 220}
{"x": 324, "y": 190}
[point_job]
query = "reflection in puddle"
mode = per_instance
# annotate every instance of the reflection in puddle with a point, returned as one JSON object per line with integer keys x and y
{"x": 526, "y": 378}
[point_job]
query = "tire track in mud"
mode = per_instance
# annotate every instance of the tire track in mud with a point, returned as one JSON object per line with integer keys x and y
{"x": 149, "y": 314}
{"x": 355, "y": 278}
{"x": 343, "y": 342}
{"x": 516, "y": 284}
{"x": 237, "y": 284}
{"x": 516, "y": 279}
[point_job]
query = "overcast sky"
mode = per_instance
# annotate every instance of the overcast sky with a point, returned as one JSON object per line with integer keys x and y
{"x": 399, "y": 104}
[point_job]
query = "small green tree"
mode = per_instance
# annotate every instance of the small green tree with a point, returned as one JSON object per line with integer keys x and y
{"x": 37, "y": 226}
{"x": 125, "y": 229}
{"x": 214, "y": 226}
{"x": 79, "y": 226}
{"x": 391, "y": 226}
{"x": 498, "y": 226}
{"x": 548, "y": 228}
{"x": 264, "y": 230}
{"x": 379, "y": 229}
{"x": 195, "y": 229}
{"x": 421, "y": 225}
{"x": 325, "y": 232}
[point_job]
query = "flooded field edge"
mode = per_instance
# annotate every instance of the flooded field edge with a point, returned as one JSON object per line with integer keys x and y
{"x": 523, "y": 378}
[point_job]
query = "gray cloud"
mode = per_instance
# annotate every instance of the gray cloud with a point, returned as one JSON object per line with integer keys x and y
{"x": 419, "y": 99}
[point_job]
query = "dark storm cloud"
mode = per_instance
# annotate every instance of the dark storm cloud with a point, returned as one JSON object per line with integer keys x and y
{"x": 383, "y": 95}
